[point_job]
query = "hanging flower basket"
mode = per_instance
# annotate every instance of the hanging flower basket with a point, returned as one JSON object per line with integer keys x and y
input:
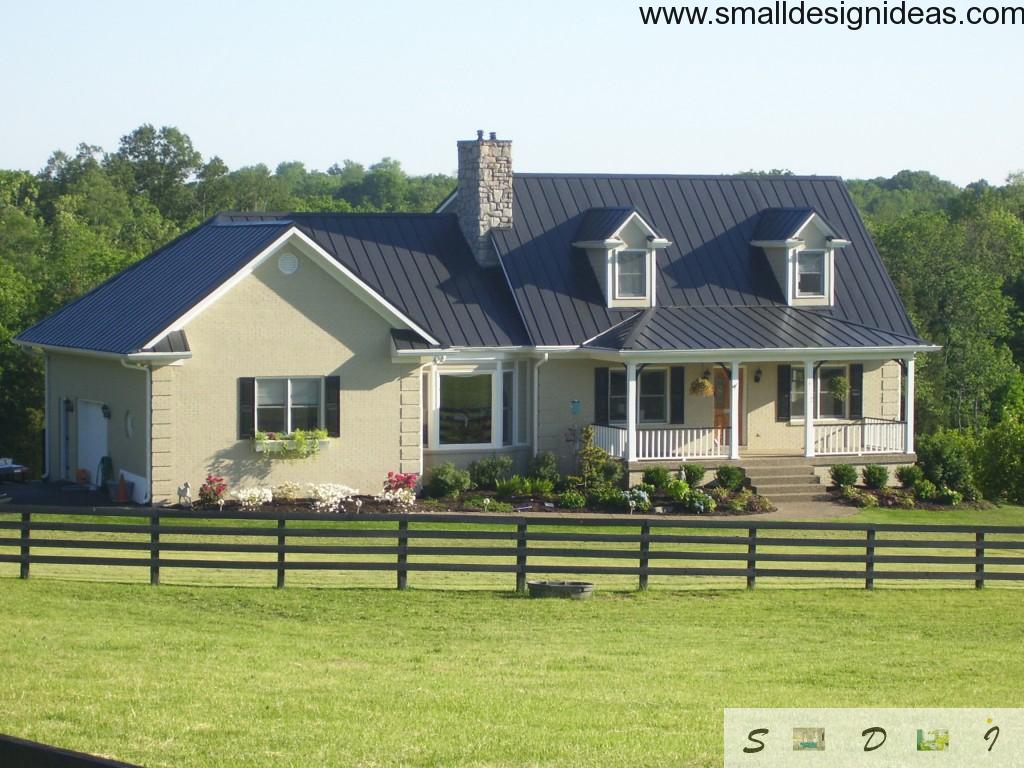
{"x": 702, "y": 387}
{"x": 839, "y": 387}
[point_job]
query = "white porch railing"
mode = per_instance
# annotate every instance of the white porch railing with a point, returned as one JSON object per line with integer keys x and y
{"x": 868, "y": 435}
{"x": 667, "y": 444}
{"x": 611, "y": 439}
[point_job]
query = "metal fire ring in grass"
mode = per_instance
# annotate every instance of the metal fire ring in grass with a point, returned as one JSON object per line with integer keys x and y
{"x": 572, "y": 590}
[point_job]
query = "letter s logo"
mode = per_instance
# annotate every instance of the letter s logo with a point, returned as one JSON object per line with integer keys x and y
{"x": 752, "y": 736}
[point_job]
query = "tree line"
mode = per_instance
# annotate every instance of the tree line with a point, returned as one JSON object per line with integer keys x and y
{"x": 955, "y": 254}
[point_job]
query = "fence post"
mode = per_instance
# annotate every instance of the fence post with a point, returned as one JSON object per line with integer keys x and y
{"x": 979, "y": 554}
{"x": 281, "y": 540}
{"x": 26, "y": 524}
{"x": 521, "y": 557}
{"x": 869, "y": 567}
{"x": 751, "y": 558}
{"x": 645, "y": 547}
{"x": 154, "y": 549}
{"x": 403, "y": 554}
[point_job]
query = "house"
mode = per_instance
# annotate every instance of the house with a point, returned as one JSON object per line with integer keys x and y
{"x": 698, "y": 318}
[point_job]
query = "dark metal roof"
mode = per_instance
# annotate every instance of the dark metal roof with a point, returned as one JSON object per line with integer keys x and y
{"x": 710, "y": 221}
{"x": 405, "y": 340}
{"x": 421, "y": 264}
{"x": 767, "y": 327}
{"x": 602, "y": 223}
{"x": 129, "y": 309}
{"x": 175, "y": 341}
{"x": 781, "y": 223}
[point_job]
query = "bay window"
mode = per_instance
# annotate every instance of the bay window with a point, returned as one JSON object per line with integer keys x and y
{"x": 465, "y": 408}
{"x": 474, "y": 407}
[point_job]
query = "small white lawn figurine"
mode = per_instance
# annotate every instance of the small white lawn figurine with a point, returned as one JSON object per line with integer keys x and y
{"x": 220, "y": 505}
{"x": 185, "y": 495}
{"x": 359, "y": 505}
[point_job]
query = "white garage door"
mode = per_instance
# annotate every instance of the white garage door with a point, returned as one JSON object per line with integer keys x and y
{"x": 92, "y": 437}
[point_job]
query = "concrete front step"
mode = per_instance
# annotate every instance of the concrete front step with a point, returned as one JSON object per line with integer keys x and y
{"x": 778, "y": 498}
{"x": 783, "y": 479}
{"x": 773, "y": 490}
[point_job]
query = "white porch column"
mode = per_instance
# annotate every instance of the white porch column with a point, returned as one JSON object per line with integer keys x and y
{"x": 810, "y": 401}
{"x": 734, "y": 411}
{"x": 631, "y": 446}
{"x": 908, "y": 443}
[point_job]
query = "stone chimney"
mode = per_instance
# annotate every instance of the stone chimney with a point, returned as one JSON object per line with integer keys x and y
{"x": 484, "y": 199}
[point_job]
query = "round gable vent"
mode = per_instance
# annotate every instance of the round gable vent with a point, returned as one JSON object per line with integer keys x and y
{"x": 288, "y": 263}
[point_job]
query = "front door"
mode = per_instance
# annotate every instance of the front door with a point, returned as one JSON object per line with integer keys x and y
{"x": 92, "y": 438}
{"x": 722, "y": 403}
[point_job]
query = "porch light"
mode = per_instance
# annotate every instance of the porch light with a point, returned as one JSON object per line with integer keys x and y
{"x": 757, "y": 376}
{"x": 105, "y": 409}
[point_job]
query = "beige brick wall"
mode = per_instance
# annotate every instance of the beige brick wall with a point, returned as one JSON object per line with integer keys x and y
{"x": 77, "y": 377}
{"x": 270, "y": 324}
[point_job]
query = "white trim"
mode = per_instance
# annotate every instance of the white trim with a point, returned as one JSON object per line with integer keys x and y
{"x": 790, "y": 243}
{"x": 645, "y": 258}
{"x": 809, "y": 409}
{"x": 144, "y": 490}
{"x": 536, "y": 403}
{"x": 734, "y": 410}
{"x": 132, "y": 356}
{"x": 447, "y": 201}
{"x": 435, "y": 437}
{"x": 333, "y": 267}
{"x": 825, "y": 255}
{"x": 908, "y": 416}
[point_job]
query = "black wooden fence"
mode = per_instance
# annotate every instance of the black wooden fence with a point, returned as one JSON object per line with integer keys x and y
{"x": 516, "y": 545}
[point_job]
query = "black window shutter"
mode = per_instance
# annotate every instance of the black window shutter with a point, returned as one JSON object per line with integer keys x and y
{"x": 677, "y": 390}
{"x": 782, "y": 394}
{"x": 246, "y": 408}
{"x": 601, "y": 396}
{"x": 856, "y": 391}
{"x": 332, "y": 406}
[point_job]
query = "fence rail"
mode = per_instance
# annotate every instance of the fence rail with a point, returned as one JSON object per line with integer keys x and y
{"x": 526, "y": 544}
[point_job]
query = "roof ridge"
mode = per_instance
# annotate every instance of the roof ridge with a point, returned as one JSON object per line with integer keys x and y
{"x": 717, "y": 176}
{"x": 334, "y": 214}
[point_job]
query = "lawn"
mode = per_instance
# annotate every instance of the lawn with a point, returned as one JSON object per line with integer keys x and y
{"x": 210, "y": 676}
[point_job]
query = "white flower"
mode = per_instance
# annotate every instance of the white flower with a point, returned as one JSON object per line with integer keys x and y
{"x": 402, "y": 498}
{"x": 328, "y": 497}
{"x": 254, "y": 497}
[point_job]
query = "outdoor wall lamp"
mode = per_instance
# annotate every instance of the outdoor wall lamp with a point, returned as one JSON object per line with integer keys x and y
{"x": 106, "y": 411}
{"x": 757, "y": 376}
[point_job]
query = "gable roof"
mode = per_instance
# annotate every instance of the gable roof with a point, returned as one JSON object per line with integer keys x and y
{"x": 420, "y": 264}
{"x": 602, "y": 223}
{"x": 710, "y": 263}
{"x": 748, "y": 328}
{"x": 782, "y": 223}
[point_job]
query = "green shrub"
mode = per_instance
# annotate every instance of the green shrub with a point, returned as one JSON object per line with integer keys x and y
{"x": 719, "y": 494}
{"x": 759, "y": 505}
{"x": 926, "y": 490}
{"x": 843, "y": 475}
{"x": 487, "y": 504}
{"x": 699, "y": 503}
{"x": 647, "y": 488}
{"x": 446, "y": 481}
{"x": 511, "y": 487}
{"x": 540, "y": 487}
{"x": 572, "y": 500}
{"x": 865, "y": 499}
{"x": 597, "y": 470}
{"x": 950, "y": 496}
{"x": 485, "y": 473}
{"x": 544, "y": 466}
{"x": 875, "y": 476}
{"x": 946, "y": 459}
{"x": 909, "y": 475}
{"x": 657, "y": 477}
{"x": 999, "y": 462}
{"x": 677, "y": 489}
{"x": 737, "y": 502}
{"x": 729, "y": 477}
{"x": 693, "y": 474}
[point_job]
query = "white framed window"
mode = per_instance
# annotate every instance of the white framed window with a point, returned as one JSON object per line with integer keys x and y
{"x": 631, "y": 274}
{"x": 829, "y": 406}
{"x": 286, "y": 404}
{"x": 810, "y": 274}
{"x": 652, "y": 396}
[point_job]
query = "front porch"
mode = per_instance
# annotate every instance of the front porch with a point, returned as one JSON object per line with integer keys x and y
{"x": 755, "y": 409}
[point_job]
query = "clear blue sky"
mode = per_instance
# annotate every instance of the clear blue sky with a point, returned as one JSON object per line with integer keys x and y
{"x": 578, "y": 85}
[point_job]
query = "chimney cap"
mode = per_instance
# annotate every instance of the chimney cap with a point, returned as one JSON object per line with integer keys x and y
{"x": 480, "y": 135}
{"x": 494, "y": 136}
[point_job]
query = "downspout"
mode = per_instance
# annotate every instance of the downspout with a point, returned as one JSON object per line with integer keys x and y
{"x": 148, "y": 440}
{"x": 47, "y": 429}
{"x": 536, "y": 403}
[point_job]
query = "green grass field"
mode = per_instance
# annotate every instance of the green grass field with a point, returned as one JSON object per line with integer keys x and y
{"x": 186, "y": 676}
{"x": 460, "y": 671}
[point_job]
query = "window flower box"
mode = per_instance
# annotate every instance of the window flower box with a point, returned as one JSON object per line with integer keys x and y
{"x": 299, "y": 444}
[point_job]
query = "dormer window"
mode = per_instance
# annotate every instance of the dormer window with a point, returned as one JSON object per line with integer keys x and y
{"x": 810, "y": 274}
{"x": 631, "y": 274}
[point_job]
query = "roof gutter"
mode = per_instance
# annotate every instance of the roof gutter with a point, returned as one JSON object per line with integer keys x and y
{"x": 140, "y": 357}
